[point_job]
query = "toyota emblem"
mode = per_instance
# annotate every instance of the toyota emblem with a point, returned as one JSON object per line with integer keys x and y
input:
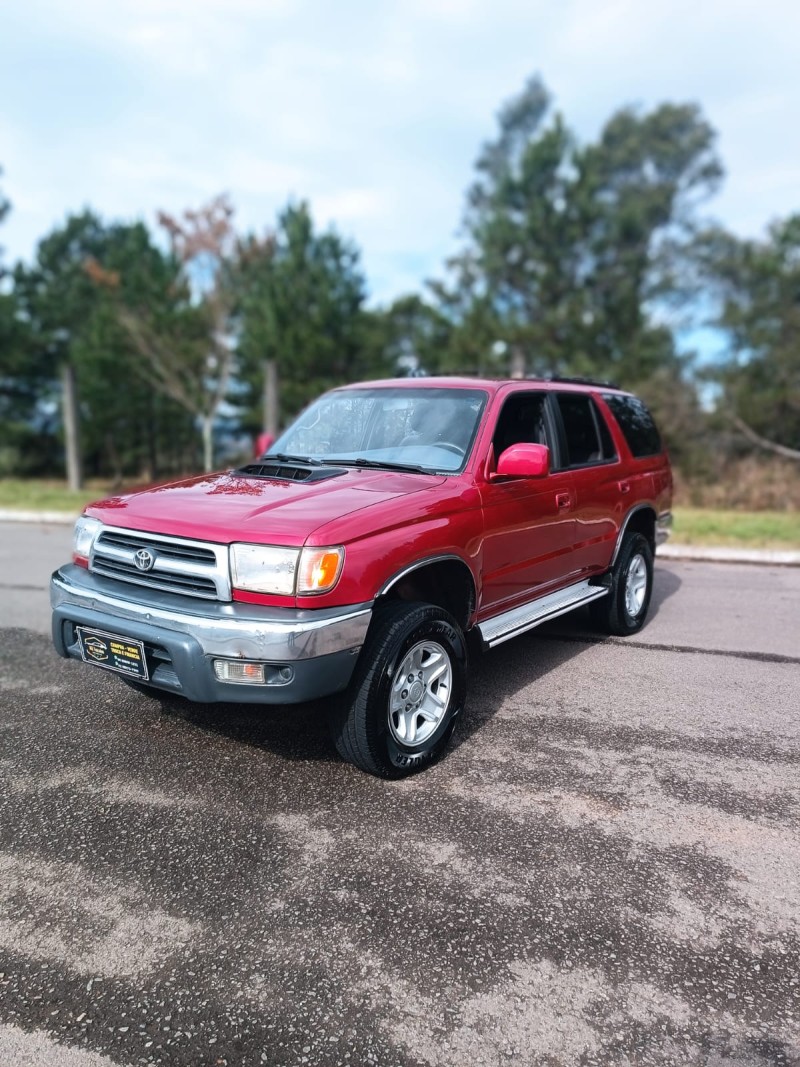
{"x": 144, "y": 560}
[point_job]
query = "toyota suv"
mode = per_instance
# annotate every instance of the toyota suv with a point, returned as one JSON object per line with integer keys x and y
{"x": 393, "y": 525}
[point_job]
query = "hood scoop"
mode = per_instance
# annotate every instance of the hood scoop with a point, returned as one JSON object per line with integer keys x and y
{"x": 289, "y": 472}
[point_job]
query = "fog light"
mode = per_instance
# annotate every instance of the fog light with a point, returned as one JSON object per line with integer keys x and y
{"x": 237, "y": 670}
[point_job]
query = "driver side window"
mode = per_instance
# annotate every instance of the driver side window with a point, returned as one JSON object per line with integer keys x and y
{"x": 522, "y": 420}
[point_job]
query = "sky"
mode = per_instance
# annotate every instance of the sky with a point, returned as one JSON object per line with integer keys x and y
{"x": 374, "y": 112}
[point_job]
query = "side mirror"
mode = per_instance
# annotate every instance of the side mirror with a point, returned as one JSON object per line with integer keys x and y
{"x": 524, "y": 461}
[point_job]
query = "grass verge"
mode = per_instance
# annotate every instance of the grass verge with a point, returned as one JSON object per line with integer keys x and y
{"x": 19, "y": 494}
{"x": 736, "y": 529}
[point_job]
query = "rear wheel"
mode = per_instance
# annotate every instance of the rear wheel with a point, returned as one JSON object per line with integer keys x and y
{"x": 625, "y": 608}
{"x": 407, "y": 692}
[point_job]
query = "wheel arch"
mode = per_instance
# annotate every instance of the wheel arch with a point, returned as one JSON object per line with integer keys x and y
{"x": 640, "y": 519}
{"x": 446, "y": 581}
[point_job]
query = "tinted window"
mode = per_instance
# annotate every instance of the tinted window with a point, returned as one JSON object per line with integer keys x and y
{"x": 521, "y": 420}
{"x": 609, "y": 448}
{"x": 636, "y": 424}
{"x": 580, "y": 429}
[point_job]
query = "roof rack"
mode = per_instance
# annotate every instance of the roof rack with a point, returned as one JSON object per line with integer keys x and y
{"x": 577, "y": 380}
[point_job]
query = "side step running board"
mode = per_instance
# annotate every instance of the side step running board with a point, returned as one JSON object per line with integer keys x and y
{"x": 511, "y": 623}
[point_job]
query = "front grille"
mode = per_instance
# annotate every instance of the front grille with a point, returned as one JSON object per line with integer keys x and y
{"x": 189, "y": 568}
{"x": 174, "y": 582}
{"x": 166, "y": 549}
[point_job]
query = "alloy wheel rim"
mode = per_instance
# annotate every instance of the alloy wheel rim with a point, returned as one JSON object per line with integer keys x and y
{"x": 635, "y": 585}
{"x": 420, "y": 695}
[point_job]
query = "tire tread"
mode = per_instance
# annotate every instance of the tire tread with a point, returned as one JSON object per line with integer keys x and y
{"x": 352, "y": 725}
{"x": 608, "y": 614}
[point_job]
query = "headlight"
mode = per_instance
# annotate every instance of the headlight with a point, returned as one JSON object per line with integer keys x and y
{"x": 86, "y": 530}
{"x": 319, "y": 569}
{"x": 264, "y": 568}
{"x": 282, "y": 571}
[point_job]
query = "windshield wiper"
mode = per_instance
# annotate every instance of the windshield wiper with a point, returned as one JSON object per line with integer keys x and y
{"x": 379, "y": 464}
{"x": 287, "y": 457}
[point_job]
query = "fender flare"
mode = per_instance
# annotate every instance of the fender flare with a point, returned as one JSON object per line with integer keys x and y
{"x": 624, "y": 527}
{"x": 447, "y": 557}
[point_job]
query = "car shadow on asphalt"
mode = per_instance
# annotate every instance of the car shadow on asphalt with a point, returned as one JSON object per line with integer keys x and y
{"x": 289, "y": 731}
{"x": 300, "y": 731}
{"x": 666, "y": 584}
{"x": 505, "y": 671}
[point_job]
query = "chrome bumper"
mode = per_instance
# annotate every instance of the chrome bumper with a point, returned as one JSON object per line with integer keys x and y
{"x": 229, "y": 630}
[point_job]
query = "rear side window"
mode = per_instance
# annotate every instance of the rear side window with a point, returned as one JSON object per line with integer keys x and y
{"x": 636, "y": 424}
{"x": 586, "y": 436}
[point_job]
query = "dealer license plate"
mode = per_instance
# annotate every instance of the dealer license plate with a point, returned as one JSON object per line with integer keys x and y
{"x": 113, "y": 652}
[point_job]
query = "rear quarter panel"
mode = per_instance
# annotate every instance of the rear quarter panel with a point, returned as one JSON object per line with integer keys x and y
{"x": 649, "y": 477}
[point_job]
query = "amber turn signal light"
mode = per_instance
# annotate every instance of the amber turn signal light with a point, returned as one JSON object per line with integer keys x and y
{"x": 319, "y": 569}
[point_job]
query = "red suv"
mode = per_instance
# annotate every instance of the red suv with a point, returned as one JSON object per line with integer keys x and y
{"x": 387, "y": 524}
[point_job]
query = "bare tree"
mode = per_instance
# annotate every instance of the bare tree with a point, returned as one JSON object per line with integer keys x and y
{"x": 762, "y": 442}
{"x": 189, "y": 352}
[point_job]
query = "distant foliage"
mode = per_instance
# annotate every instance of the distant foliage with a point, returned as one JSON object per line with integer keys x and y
{"x": 571, "y": 246}
{"x": 67, "y": 311}
{"x": 758, "y": 286}
{"x": 755, "y": 482}
{"x": 300, "y": 303}
{"x": 580, "y": 258}
{"x": 185, "y": 341}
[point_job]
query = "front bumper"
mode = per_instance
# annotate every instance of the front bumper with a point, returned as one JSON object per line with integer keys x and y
{"x": 308, "y": 653}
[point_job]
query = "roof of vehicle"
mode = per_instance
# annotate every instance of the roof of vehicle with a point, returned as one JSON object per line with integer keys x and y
{"x": 491, "y": 385}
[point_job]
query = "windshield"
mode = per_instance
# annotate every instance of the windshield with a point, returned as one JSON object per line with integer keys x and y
{"x": 431, "y": 429}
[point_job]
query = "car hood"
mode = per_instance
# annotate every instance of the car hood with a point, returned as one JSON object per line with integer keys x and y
{"x": 233, "y": 507}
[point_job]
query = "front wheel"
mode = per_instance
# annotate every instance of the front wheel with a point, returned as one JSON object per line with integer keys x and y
{"x": 624, "y": 610}
{"x": 407, "y": 692}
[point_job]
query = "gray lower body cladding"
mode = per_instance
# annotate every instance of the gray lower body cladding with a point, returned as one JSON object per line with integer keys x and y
{"x": 307, "y": 654}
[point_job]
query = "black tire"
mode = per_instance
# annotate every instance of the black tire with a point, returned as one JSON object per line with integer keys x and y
{"x": 366, "y": 723}
{"x": 616, "y": 614}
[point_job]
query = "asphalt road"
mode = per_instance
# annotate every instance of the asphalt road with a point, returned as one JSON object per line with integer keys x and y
{"x": 604, "y": 870}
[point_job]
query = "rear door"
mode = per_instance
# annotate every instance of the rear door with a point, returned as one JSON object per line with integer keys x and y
{"x": 529, "y": 526}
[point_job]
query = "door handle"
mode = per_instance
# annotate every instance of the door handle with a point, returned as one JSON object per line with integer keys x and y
{"x": 624, "y": 487}
{"x": 563, "y": 500}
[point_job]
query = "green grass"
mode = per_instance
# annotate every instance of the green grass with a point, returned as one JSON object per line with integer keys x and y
{"x": 738, "y": 529}
{"x": 19, "y": 494}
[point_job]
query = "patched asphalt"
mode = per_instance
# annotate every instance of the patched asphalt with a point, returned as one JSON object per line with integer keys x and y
{"x": 604, "y": 870}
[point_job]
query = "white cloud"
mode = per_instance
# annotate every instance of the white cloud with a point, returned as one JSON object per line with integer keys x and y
{"x": 374, "y": 113}
{"x": 347, "y": 205}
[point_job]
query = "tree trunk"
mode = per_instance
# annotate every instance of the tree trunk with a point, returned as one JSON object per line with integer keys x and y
{"x": 762, "y": 442}
{"x": 271, "y": 406}
{"x": 115, "y": 460}
{"x": 69, "y": 400}
{"x": 517, "y": 362}
{"x": 151, "y": 433}
{"x": 208, "y": 442}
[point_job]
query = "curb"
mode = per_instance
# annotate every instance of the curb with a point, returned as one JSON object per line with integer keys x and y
{"x": 717, "y": 554}
{"x": 61, "y": 518}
